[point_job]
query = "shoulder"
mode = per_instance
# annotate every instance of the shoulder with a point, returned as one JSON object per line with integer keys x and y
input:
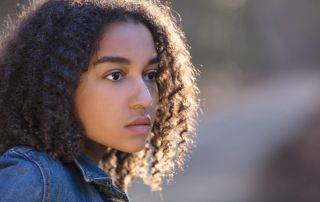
{"x": 22, "y": 175}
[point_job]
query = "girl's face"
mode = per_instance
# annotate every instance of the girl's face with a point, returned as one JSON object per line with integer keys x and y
{"x": 117, "y": 97}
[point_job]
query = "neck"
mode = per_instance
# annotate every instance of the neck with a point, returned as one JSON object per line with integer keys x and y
{"x": 94, "y": 150}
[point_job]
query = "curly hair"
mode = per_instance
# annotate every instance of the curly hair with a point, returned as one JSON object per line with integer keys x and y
{"x": 41, "y": 62}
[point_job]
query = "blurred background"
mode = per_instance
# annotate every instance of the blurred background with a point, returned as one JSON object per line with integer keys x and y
{"x": 258, "y": 134}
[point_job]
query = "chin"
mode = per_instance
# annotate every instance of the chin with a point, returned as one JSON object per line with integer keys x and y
{"x": 133, "y": 150}
{"x": 134, "y": 147}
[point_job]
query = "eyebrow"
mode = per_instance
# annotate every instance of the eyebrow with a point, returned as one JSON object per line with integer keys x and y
{"x": 122, "y": 60}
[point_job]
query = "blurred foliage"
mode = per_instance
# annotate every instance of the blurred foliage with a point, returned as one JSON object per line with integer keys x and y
{"x": 252, "y": 38}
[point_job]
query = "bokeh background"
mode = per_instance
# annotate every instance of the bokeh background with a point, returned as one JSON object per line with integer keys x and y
{"x": 258, "y": 133}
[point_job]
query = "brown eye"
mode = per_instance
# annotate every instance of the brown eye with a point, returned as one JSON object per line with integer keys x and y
{"x": 114, "y": 76}
{"x": 151, "y": 75}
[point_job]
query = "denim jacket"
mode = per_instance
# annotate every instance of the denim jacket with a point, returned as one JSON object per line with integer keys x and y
{"x": 29, "y": 175}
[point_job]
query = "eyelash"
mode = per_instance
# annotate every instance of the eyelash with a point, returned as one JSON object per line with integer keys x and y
{"x": 119, "y": 75}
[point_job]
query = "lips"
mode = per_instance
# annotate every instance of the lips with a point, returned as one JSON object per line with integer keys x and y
{"x": 143, "y": 120}
{"x": 140, "y": 125}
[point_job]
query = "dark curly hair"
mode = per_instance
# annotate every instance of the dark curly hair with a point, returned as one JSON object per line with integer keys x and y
{"x": 41, "y": 62}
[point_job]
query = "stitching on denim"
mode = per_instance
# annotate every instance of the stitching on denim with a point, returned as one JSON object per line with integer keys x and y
{"x": 87, "y": 176}
{"x": 46, "y": 172}
{"x": 82, "y": 171}
{"x": 19, "y": 153}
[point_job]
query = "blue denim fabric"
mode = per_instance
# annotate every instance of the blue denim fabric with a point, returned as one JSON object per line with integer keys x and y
{"x": 29, "y": 175}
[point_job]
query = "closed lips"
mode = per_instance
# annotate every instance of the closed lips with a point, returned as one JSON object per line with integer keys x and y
{"x": 140, "y": 121}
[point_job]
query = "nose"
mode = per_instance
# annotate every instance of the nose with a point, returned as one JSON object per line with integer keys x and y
{"x": 141, "y": 96}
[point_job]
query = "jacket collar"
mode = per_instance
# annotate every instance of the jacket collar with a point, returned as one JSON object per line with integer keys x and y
{"x": 90, "y": 171}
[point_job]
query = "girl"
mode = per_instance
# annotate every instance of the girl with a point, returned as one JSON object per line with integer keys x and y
{"x": 93, "y": 94}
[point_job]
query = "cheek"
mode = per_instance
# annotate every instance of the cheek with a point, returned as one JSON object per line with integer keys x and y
{"x": 97, "y": 104}
{"x": 154, "y": 92}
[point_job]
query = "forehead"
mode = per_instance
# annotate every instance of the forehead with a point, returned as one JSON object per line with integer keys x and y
{"x": 127, "y": 39}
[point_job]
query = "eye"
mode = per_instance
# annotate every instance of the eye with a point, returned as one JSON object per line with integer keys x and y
{"x": 114, "y": 76}
{"x": 151, "y": 75}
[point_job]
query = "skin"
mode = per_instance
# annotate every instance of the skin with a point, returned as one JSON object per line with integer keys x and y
{"x": 118, "y": 87}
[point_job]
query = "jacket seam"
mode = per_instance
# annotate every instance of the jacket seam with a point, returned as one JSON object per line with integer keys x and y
{"x": 45, "y": 188}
